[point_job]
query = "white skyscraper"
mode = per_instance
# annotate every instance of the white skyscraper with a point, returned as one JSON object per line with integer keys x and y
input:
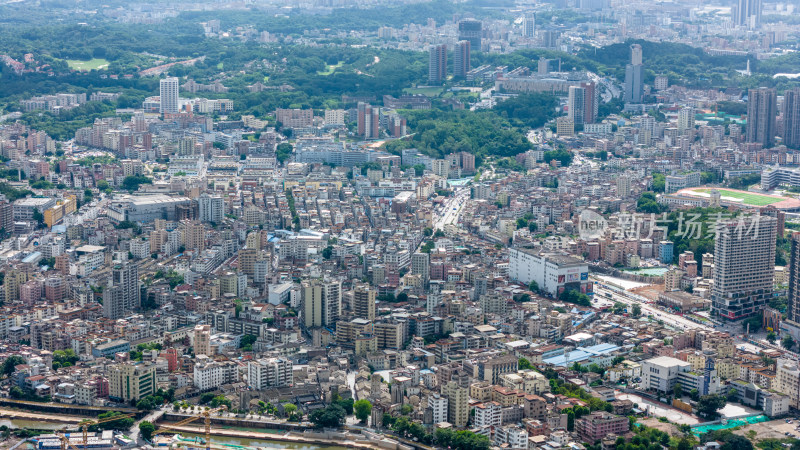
{"x": 686, "y": 119}
{"x": 211, "y": 208}
{"x": 169, "y": 96}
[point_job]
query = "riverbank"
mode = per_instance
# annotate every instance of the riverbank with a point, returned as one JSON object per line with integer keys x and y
{"x": 294, "y": 438}
{"x": 22, "y": 415}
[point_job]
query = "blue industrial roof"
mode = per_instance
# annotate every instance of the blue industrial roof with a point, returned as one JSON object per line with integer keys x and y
{"x": 32, "y": 257}
{"x": 581, "y": 354}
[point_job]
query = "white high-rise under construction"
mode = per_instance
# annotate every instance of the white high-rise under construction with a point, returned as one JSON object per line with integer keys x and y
{"x": 744, "y": 266}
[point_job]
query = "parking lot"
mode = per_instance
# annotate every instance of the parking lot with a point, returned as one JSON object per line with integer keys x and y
{"x": 774, "y": 429}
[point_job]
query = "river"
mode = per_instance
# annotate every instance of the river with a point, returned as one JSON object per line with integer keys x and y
{"x": 246, "y": 442}
{"x": 233, "y": 441}
{"x": 33, "y": 424}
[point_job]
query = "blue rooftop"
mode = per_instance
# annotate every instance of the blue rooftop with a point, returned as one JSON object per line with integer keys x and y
{"x": 581, "y": 354}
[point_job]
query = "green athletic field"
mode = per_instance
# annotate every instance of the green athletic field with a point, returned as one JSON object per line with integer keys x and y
{"x": 748, "y": 198}
{"x": 92, "y": 64}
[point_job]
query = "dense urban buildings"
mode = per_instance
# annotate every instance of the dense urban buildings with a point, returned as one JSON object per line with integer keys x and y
{"x": 578, "y": 233}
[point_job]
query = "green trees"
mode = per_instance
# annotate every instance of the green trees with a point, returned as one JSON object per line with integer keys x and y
{"x": 524, "y": 364}
{"x": 220, "y": 400}
{"x": 206, "y": 397}
{"x": 147, "y": 429}
{"x": 708, "y": 405}
{"x": 406, "y": 428}
{"x": 562, "y": 156}
{"x": 123, "y": 423}
{"x": 291, "y": 412}
{"x": 745, "y": 181}
{"x": 283, "y": 151}
{"x": 574, "y": 296}
{"x": 13, "y": 193}
{"x": 636, "y": 311}
{"x": 10, "y": 363}
{"x": 247, "y": 342}
{"x": 331, "y": 416}
{"x": 132, "y": 182}
{"x": 771, "y": 337}
{"x": 684, "y": 64}
{"x": 482, "y": 133}
{"x": 528, "y": 110}
{"x": 728, "y": 439}
{"x": 659, "y": 182}
{"x": 787, "y": 342}
{"x": 647, "y": 203}
{"x": 64, "y": 358}
{"x": 460, "y": 440}
{"x": 104, "y": 186}
{"x": 363, "y": 408}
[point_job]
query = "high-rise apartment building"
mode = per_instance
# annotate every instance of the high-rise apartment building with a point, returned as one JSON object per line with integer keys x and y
{"x": 529, "y": 25}
{"x": 591, "y": 102}
{"x": 369, "y": 121}
{"x": 202, "y": 340}
{"x": 787, "y": 381}
{"x": 761, "y": 110}
{"x": 169, "y": 89}
{"x": 634, "y": 76}
{"x": 686, "y": 119}
{"x": 331, "y": 302}
{"x": 295, "y": 118}
{"x": 575, "y": 104}
{"x": 421, "y": 264}
{"x": 623, "y": 186}
{"x": 550, "y": 38}
{"x": 322, "y": 302}
{"x": 793, "y": 308}
{"x": 747, "y": 13}
{"x": 364, "y": 302}
{"x": 211, "y": 208}
{"x": 461, "y": 59}
{"x": 311, "y": 296}
{"x": 437, "y": 64}
{"x": 131, "y": 382}
{"x": 269, "y": 372}
{"x": 791, "y": 118}
{"x": 123, "y": 294}
{"x": 471, "y": 30}
{"x": 457, "y": 403}
{"x": 194, "y": 235}
{"x": 744, "y": 266}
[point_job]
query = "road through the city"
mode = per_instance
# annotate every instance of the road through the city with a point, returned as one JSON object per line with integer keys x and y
{"x": 606, "y": 291}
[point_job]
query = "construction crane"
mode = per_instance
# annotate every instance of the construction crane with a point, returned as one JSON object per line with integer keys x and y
{"x": 85, "y": 424}
{"x": 206, "y": 415}
{"x": 62, "y": 436}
